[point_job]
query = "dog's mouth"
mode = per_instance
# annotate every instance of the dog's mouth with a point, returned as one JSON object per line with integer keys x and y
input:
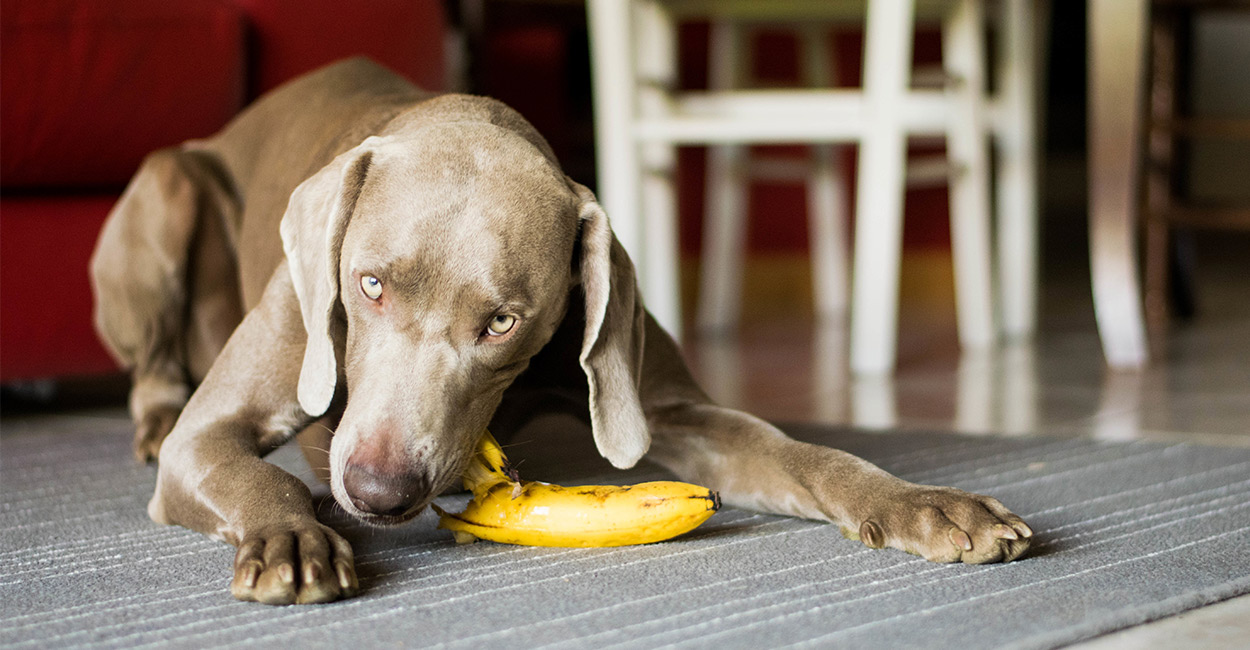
{"x": 376, "y": 519}
{"x": 385, "y": 521}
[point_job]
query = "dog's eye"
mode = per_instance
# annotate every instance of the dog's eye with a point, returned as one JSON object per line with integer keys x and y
{"x": 500, "y": 325}
{"x": 371, "y": 286}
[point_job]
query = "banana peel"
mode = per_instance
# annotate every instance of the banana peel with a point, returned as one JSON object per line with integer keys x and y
{"x": 507, "y": 510}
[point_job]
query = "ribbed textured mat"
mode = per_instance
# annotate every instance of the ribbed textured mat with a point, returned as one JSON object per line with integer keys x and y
{"x": 1125, "y": 533}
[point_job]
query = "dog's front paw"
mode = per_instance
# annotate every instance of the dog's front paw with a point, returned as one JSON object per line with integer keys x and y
{"x": 302, "y": 563}
{"x": 946, "y": 525}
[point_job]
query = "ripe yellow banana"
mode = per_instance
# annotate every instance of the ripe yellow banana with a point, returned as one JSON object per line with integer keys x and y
{"x": 508, "y": 510}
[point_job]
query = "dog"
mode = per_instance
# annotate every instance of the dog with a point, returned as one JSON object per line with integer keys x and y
{"x": 403, "y": 268}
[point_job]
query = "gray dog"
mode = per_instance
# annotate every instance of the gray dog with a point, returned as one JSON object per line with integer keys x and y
{"x": 355, "y": 254}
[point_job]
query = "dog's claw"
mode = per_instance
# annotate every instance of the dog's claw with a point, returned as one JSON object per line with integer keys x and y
{"x": 245, "y": 578}
{"x": 871, "y": 535}
{"x": 960, "y": 539}
{"x": 1003, "y": 531}
{"x": 347, "y": 578}
{"x": 250, "y": 574}
{"x": 312, "y": 572}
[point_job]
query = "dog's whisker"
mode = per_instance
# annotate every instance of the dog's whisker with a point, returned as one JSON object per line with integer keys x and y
{"x": 334, "y": 502}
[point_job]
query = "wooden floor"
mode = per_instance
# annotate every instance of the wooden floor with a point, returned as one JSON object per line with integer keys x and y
{"x": 784, "y": 366}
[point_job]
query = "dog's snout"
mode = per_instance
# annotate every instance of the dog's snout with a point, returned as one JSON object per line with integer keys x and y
{"x": 384, "y": 493}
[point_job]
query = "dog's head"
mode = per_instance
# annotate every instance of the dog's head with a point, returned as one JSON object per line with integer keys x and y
{"x": 429, "y": 270}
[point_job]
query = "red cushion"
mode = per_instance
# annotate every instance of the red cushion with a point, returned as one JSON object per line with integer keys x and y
{"x": 45, "y": 307}
{"x": 292, "y": 37}
{"x": 90, "y": 87}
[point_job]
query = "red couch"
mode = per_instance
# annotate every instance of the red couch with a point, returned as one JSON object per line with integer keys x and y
{"x": 90, "y": 87}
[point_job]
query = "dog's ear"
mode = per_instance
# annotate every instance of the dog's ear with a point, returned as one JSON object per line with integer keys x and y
{"x": 612, "y": 343}
{"x": 312, "y": 233}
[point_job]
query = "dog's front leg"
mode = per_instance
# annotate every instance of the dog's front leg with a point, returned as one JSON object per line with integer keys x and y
{"x": 213, "y": 479}
{"x": 754, "y": 465}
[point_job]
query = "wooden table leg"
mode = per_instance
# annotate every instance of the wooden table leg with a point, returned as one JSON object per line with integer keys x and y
{"x": 1117, "y": 30}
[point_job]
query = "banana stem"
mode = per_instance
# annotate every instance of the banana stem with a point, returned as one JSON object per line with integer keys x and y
{"x": 488, "y": 468}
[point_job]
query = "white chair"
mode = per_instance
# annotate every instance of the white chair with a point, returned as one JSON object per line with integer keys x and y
{"x": 640, "y": 118}
{"x": 731, "y": 169}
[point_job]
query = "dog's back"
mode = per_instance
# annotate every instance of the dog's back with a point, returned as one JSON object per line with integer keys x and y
{"x": 289, "y": 134}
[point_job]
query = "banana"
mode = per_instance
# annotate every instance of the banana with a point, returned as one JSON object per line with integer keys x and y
{"x": 508, "y": 510}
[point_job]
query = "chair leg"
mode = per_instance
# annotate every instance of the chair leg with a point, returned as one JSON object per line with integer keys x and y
{"x": 725, "y": 211}
{"x": 826, "y": 193}
{"x": 878, "y": 243}
{"x": 656, "y": 60}
{"x": 879, "y": 197}
{"x": 724, "y": 239}
{"x": 963, "y": 41}
{"x": 1116, "y": 33}
{"x": 1161, "y": 151}
{"x": 976, "y": 386}
{"x": 661, "y": 286}
{"x": 826, "y": 209}
{"x": 617, "y": 159}
{"x": 1017, "y": 197}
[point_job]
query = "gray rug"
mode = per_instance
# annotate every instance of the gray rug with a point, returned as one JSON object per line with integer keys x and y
{"x": 1126, "y": 533}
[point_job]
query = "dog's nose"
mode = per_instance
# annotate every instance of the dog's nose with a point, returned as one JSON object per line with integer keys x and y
{"x": 379, "y": 493}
